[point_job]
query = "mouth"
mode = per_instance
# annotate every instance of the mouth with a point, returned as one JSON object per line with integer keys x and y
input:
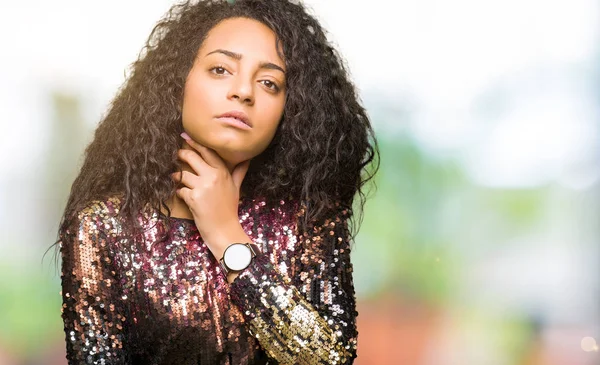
{"x": 234, "y": 122}
{"x": 236, "y": 117}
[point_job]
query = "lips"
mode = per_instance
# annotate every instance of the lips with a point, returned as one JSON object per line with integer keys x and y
{"x": 239, "y": 115}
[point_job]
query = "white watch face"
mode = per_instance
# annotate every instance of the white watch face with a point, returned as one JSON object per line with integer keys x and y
{"x": 237, "y": 256}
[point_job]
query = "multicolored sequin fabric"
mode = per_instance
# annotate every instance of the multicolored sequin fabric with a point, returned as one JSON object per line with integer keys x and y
{"x": 171, "y": 304}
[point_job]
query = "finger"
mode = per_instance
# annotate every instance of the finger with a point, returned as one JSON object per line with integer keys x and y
{"x": 211, "y": 157}
{"x": 195, "y": 160}
{"x": 184, "y": 193}
{"x": 186, "y": 178}
{"x": 239, "y": 173}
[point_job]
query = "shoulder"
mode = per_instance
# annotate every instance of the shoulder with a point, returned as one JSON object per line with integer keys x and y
{"x": 100, "y": 210}
{"x": 97, "y": 217}
{"x": 104, "y": 208}
{"x": 327, "y": 215}
{"x": 330, "y": 222}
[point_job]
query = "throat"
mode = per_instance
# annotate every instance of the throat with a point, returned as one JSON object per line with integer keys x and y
{"x": 178, "y": 207}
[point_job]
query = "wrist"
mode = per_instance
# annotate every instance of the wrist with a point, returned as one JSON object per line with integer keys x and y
{"x": 237, "y": 257}
{"x": 225, "y": 237}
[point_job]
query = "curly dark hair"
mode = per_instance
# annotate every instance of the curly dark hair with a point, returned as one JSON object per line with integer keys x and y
{"x": 323, "y": 148}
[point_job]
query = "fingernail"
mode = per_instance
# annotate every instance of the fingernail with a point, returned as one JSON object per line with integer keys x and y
{"x": 185, "y": 136}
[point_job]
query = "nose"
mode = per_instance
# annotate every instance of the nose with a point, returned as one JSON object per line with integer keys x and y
{"x": 242, "y": 90}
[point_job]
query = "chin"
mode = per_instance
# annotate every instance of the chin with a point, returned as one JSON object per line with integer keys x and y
{"x": 230, "y": 154}
{"x": 231, "y": 150}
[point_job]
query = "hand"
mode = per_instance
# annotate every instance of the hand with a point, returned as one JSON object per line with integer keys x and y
{"x": 212, "y": 194}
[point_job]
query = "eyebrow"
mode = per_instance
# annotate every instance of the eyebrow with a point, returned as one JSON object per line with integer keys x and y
{"x": 238, "y": 56}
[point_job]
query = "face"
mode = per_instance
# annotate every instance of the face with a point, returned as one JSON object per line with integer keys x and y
{"x": 237, "y": 69}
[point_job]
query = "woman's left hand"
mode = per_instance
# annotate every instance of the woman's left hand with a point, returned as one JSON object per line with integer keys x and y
{"x": 212, "y": 194}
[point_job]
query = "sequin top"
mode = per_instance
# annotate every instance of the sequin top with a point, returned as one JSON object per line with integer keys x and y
{"x": 171, "y": 304}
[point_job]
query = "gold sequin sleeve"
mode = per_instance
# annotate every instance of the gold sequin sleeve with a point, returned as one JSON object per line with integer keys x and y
{"x": 308, "y": 317}
{"x": 92, "y": 323}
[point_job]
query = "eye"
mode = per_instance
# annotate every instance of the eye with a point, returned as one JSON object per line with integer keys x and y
{"x": 217, "y": 68}
{"x": 271, "y": 85}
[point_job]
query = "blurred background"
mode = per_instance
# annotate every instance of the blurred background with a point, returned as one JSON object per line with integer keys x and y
{"x": 480, "y": 244}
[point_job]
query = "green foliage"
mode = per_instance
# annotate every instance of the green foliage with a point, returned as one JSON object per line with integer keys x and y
{"x": 29, "y": 309}
{"x": 425, "y": 217}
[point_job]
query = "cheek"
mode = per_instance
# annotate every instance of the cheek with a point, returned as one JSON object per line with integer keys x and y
{"x": 274, "y": 110}
{"x": 277, "y": 113}
{"x": 272, "y": 118}
{"x": 197, "y": 99}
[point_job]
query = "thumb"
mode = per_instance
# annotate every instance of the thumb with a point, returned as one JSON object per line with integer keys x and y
{"x": 239, "y": 173}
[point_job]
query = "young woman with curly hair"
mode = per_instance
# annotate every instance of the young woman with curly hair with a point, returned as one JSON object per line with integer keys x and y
{"x": 210, "y": 220}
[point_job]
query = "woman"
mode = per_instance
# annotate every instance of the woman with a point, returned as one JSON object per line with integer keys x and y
{"x": 209, "y": 223}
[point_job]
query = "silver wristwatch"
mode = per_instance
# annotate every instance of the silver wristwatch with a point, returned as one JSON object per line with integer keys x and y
{"x": 237, "y": 256}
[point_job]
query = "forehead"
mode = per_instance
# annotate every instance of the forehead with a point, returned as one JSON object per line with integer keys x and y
{"x": 249, "y": 37}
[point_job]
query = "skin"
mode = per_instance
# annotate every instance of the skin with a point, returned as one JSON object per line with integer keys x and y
{"x": 215, "y": 156}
